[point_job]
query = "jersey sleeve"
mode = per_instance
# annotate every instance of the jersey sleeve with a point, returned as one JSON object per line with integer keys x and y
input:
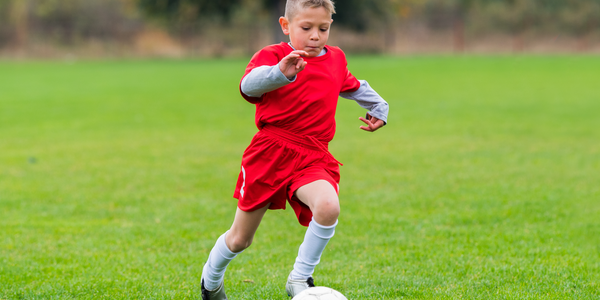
{"x": 268, "y": 56}
{"x": 350, "y": 83}
{"x": 369, "y": 99}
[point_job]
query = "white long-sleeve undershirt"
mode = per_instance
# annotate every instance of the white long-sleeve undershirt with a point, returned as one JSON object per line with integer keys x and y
{"x": 264, "y": 79}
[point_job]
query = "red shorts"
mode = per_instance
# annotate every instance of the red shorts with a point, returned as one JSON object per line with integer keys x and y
{"x": 276, "y": 164}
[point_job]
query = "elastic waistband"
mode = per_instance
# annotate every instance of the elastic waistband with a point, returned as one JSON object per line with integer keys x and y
{"x": 306, "y": 141}
{"x": 296, "y": 139}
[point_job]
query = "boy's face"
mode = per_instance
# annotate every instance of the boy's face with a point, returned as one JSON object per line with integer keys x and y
{"x": 308, "y": 29}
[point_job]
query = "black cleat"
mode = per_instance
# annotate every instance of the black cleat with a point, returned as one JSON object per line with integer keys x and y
{"x": 218, "y": 294}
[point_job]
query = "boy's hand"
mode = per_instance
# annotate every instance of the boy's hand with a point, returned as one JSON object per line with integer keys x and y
{"x": 293, "y": 63}
{"x": 373, "y": 123}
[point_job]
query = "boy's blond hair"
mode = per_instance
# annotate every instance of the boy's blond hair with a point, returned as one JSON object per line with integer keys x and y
{"x": 293, "y": 6}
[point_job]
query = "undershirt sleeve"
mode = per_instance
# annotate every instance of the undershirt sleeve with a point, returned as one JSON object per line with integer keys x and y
{"x": 264, "y": 79}
{"x": 368, "y": 99}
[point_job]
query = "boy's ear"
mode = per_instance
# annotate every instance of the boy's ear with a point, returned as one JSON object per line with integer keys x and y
{"x": 285, "y": 25}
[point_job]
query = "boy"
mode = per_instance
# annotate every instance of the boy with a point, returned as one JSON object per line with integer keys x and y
{"x": 295, "y": 87}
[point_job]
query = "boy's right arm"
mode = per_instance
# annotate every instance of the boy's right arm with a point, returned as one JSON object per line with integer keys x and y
{"x": 264, "y": 79}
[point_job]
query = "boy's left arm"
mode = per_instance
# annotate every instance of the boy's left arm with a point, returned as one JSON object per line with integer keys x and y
{"x": 368, "y": 99}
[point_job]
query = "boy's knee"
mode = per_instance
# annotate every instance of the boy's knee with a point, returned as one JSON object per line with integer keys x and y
{"x": 237, "y": 243}
{"x": 327, "y": 212}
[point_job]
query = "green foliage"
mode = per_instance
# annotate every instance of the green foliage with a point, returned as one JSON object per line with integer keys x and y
{"x": 5, "y": 30}
{"x": 582, "y": 18}
{"x": 188, "y": 9}
{"x": 70, "y": 21}
{"x": 67, "y": 21}
{"x": 514, "y": 16}
{"x": 362, "y": 14}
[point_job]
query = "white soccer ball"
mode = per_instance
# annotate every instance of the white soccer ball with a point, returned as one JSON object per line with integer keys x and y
{"x": 320, "y": 293}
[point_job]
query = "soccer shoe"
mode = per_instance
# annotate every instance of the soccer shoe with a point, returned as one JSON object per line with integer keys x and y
{"x": 218, "y": 294}
{"x": 295, "y": 287}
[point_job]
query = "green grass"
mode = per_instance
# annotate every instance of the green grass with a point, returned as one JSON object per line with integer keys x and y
{"x": 117, "y": 177}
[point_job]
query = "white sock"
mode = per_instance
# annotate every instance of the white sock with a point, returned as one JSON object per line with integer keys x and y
{"x": 309, "y": 255}
{"x": 214, "y": 269}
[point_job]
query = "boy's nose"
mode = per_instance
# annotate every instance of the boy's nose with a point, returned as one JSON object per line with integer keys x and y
{"x": 315, "y": 35}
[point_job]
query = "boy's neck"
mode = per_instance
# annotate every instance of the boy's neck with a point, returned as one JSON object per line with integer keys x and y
{"x": 322, "y": 51}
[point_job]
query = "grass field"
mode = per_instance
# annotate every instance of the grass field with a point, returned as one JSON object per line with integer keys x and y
{"x": 117, "y": 177}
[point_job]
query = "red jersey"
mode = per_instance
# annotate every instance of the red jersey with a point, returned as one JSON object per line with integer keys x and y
{"x": 306, "y": 106}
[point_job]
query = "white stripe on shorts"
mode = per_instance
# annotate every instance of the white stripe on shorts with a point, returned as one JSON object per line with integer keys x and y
{"x": 243, "y": 183}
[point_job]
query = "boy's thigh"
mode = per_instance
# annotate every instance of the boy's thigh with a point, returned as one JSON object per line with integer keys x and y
{"x": 316, "y": 192}
{"x": 326, "y": 177}
{"x": 314, "y": 183}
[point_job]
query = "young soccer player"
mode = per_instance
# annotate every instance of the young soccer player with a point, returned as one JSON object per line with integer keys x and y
{"x": 295, "y": 87}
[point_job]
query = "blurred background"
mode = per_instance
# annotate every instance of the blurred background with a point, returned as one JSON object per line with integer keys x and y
{"x": 209, "y": 28}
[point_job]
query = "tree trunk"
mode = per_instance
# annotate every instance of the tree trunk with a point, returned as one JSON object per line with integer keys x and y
{"x": 518, "y": 44}
{"x": 252, "y": 38}
{"x": 278, "y": 10}
{"x": 19, "y": 18}
{"x": 459, "y": 35}
{"x": 583, "y": 40}
{"x": 389, "y": 35}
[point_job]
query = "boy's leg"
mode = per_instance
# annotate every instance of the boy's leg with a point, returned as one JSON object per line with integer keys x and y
{"x": 229, "y": 245}
{"x": 244, "y": 227}
{"x": 322, "y": 199}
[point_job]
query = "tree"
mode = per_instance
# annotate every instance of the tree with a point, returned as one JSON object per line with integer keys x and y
{"x": 579, "y": 18}
{"x": 276, "y": 9}
{"x": 16, "y": 30}
{"x": 182, "y": 13}
{"x": 515, "y": 17}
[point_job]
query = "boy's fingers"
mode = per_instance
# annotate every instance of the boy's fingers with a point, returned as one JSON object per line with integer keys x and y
{"x": 299, "y": 63}
{"x": 295, "y": 59}
{"x": 373, "y": 124}
{"x": 375, "y": 121}
{"x": 378, "y": 124}
{"x": 366, "y": 128}
{"x": 365, "y": 120}
{"x": 302, "y": 66}
{"x": 292, "y": 57}
{"x": 297, "y": 54}
{"x": 300, "y": 52}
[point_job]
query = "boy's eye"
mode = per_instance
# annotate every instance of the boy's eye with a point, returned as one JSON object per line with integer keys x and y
{"x": 305, "y": 28}
{"x": 324, "y": 29}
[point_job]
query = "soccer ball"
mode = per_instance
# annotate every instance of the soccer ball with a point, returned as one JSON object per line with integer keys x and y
{"x": 320, "y": 293}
